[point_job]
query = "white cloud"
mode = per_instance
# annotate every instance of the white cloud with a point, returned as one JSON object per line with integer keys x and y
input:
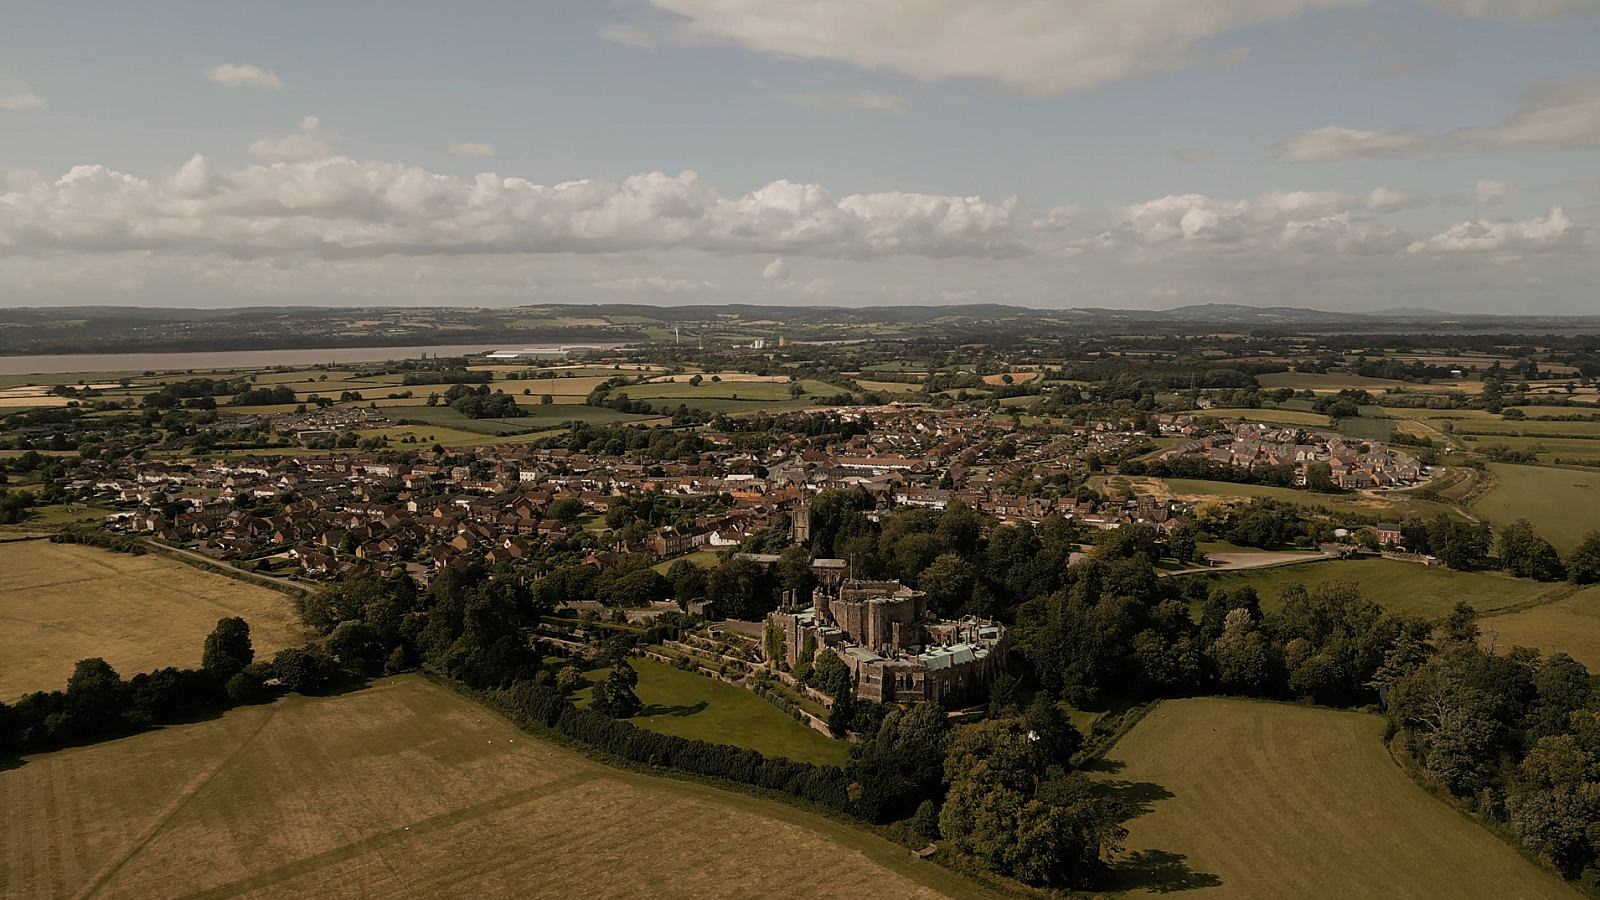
{"x": 1552, "y": 115}
{"x": 877, "y": 101}
{"x": 1512, "y": 10}
{"x": 1388, "y": 198}
{"x": 1194, "y": 154}
{"x": 1333, "y": 142}
{"x": 1481, "y": 235}
{"x": 1304, "y": 221}
{"x": 308, "y": 143}
{"x": 337, "y": 207}
{"x": 656, "y": 284}
{"x": 15, "y": 96}
{"x": 472, "y": 149}
{"x": 20, "y": 101}
{"x": 244, "y": 75}
{"x": 630, "y": 35}
{"x": 1037, "y": 46}
{"x": 1487, "y": 191}
{"x": 342, "y": 231}
{"x": 1041, "y": 48}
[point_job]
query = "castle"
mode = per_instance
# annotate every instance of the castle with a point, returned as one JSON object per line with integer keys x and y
{"x": 894, "y": 647}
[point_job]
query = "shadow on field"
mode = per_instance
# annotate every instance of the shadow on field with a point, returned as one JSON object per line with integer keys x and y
{"x": 1153, "y": 870}
{"x": 1136, "y": 797}
{"x": 1159, "y": 872}
{"x": 656, "y": 709}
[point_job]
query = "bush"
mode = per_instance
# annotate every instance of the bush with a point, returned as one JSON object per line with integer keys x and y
{"x": 303, "y": 670}
{"x": 249, "y": 685}
{"x": 569, "y": 679}
{"x": 925, "y": 821}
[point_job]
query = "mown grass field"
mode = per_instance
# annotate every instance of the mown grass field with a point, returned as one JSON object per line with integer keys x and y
{"x": 1563, "y": 504}
{"x": 538, "y": 417}
{"x": 725, "y": 390}
{"x": 1400, "y": 586}
{"x": 695, "y": 706}
{"x": 1531, "y": 427}
{"x": 1546, "y": 449}
{"x": 1249, "y": 799}
{"x": 1398, "y": 505}
{"x": 1570, "y": 625}
{"x": 60, "y": 603}
{"x": 890, "y": 387}
{"x": 704, "y": 558}
{"x": 408, "y": 790}
{"x": 1328, "y": 382}
{"x": 1302, "y": 418}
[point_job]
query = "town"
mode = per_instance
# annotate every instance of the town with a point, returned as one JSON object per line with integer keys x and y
{"x": 816, "y": 571}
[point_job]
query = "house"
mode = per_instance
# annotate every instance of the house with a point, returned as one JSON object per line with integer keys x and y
{"x": 1389, "y": 535}
{"x": 673, "y": 540}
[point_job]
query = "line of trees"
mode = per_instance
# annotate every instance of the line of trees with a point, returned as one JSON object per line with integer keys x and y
{"x": 1515, "y": 737}
{"x": 545, "y": 707}
{"x": 479, "y": 403}
{"x": 1319, "y": 477}
{"x": 97, "y": 703}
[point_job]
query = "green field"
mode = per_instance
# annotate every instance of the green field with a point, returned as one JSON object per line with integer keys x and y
{"x": 1587, "y": 408}
{"x": 1271, "y": 416}
{"x": 538, "y": 418}
{"x": 1563, "y": 504}
{"x": 1326, "y": 382}
{"x": 1370, "y": 426}
{"x": 1546, "y": 448}
{"x": 1404, "y": 587}
{"x": 725, "y": 390}
{"x": 1394, "y": 504}
{"x": 1531, "y": 427}
{"x": 696, "y": 706}
{"x": 1248, "y": 799}
{"x": 705, "y": 559}
{"x": 889, "y": 387}
{"x": 55, "y": 514}
{"x": 427, "y": 435}
{"x": 1570, "y": 625}
{"x": 402, "y": 790}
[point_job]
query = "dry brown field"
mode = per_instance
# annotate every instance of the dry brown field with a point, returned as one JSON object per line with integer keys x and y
{"x": 406, "y": 789}
{"x": 60, "y": 603}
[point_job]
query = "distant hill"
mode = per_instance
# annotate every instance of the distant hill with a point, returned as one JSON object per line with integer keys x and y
{"x": 104, "y": 329}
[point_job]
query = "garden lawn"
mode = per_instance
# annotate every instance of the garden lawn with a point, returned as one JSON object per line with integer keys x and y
{"x": 696, "y": 706}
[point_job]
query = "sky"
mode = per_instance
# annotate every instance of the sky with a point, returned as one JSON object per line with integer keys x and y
{"x": 1341, "y": 154}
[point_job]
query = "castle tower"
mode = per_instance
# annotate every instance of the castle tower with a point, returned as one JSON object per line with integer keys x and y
{"x": 801, "y": 519}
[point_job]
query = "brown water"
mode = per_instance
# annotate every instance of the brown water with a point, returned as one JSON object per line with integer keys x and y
{"x": 222, "y": 359}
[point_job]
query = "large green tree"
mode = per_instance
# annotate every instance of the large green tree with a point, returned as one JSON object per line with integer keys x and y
{"x": 1525, "y": 554}
{"x": 1022, "y": 816}
{"x": 227, "y": 648}
{"x": 1583, "y": 565}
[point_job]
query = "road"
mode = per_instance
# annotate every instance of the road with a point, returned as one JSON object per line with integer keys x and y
{"x": 170, "y": 550}
{"x": 1233, "y": 562}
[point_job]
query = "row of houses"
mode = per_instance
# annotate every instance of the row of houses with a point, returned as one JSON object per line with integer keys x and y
{"x": 1352, "y": 464}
